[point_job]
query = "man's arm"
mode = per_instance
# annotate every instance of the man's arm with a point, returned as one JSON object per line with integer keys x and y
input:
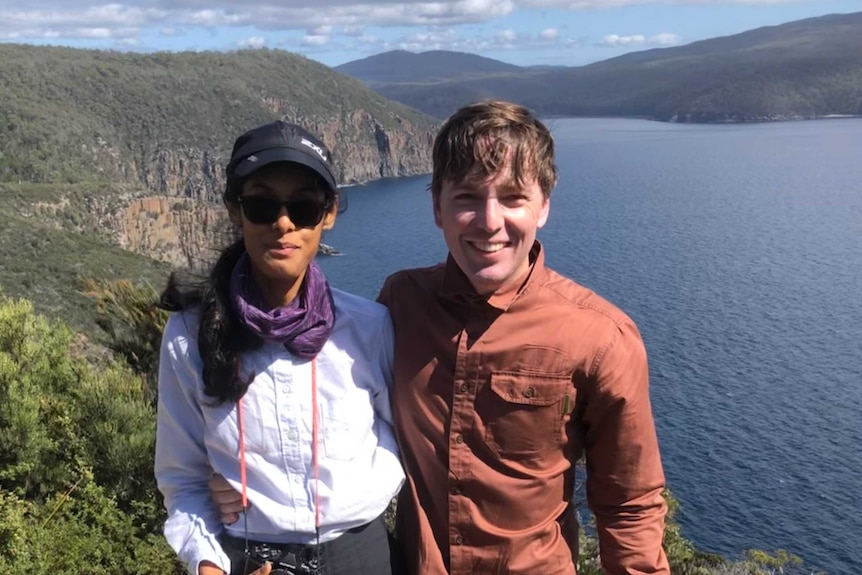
{"x": 625, "y": 479}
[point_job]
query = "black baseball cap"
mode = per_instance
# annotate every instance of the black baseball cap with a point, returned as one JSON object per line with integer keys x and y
{"x": 280, "y": 142}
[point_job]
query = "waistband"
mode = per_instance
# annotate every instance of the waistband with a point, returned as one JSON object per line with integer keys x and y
{"x": 297, "y": 555}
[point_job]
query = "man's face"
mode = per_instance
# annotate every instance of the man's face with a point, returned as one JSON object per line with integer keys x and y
{"x": 490, "y": 227}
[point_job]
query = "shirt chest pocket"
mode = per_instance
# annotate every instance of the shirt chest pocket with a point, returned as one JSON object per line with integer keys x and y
{"x": 223, "y": 429}
{"x": 524, "y": 413}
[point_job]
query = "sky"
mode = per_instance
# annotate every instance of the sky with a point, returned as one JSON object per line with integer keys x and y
{"x": 522, "y": 32}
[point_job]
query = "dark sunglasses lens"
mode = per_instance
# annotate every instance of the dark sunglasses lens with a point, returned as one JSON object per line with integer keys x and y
{"x": 303, "y": 213}
{"x": 260, "y": 210}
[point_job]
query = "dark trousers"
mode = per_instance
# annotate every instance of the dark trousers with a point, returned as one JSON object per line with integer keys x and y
{"x": 363, "y": 550}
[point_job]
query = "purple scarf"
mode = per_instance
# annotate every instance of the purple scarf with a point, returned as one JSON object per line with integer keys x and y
{"x": 303, "y": 326}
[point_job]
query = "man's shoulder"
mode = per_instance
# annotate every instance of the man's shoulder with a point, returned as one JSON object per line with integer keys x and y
{"x": 418, "y": 275}
{"x": 415, "y": 279}
{"x": 580, "y": 299}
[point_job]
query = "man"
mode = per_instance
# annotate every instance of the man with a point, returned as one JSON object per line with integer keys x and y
{"x": 506, "y": 373}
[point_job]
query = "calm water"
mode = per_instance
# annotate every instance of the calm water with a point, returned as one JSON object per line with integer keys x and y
{"x": 738, "y": 251}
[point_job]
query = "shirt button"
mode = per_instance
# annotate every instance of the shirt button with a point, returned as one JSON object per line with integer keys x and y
{"x": 297, "y": 479}
{"x": 292, "y": 436}
{"x": 464, "y": 388}
{"x": 459, "y": 540}
{"x": 456, "y": 490}
{"x": 459, "y": 439}
{"x": 529, "y": 392}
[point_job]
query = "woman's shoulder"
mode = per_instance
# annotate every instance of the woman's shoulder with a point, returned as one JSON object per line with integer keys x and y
{"x": 181, "y": 330}
{"x": 362, "y": 327}
{"x": 354, "y": 308}
{"x": 359, "y": 306}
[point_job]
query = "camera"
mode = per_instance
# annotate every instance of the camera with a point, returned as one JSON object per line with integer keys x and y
{"x": 283, "y": 562}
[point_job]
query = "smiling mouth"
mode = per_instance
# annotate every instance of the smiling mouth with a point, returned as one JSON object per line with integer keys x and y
{"x": 488, "y": 247}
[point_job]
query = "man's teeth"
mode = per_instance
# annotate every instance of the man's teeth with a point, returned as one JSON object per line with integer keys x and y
{"x": 487, "y": 247}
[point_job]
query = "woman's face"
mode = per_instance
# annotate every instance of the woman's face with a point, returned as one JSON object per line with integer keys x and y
{"x": 279, "y": 248}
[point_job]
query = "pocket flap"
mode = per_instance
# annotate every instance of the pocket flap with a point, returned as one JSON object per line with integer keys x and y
{"x": 530, "y": 389}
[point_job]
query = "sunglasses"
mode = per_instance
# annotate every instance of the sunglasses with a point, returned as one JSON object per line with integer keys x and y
{"x": 265, "y": 210}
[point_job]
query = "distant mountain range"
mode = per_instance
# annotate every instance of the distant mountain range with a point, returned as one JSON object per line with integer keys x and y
{"x": 437, "y": 65}
{"x": 802, "y": 69}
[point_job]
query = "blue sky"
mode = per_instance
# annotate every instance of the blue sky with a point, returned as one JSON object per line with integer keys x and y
{"x": 524, "y": 32}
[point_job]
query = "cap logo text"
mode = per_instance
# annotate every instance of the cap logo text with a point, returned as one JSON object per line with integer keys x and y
{"x": 314, "y": 147}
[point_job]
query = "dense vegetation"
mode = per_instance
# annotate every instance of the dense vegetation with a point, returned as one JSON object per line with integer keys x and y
{"x": 77, "y": 493}
{"x": 802, "y": 69}
{"x": 48, "y": 244}
{"x": 76, "y": 441}
{"x": 86, "y": 115}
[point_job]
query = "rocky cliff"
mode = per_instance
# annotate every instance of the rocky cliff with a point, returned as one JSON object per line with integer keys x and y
{"x": 150, "y": 134}
{"x": 178, "y": 216}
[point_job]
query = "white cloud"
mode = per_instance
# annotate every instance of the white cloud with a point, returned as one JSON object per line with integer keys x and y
{"x": 77, "y": 33}
{"x": 43, "y": 18}
{"x": 324, "y": 30}
{"x": 435, "y": 39}
{"x": 322, "y": 22}
{"x": 549, "y": 34}
{"x": 506, "y": 36}
{"x": 315, "y": 40}
{"x": 617, "y": 40}
{"x": 663, "y": 39}
{"x": 368, "y": 39}
{"x": 95, "y": 22}
{"x": 254, "y": 42}
{"x": 353, "y": 30}
{"x": 501, "y": 40}
{"x": 666, "y": 39}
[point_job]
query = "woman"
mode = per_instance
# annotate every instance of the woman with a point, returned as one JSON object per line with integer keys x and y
{"x": 277, "y": 382}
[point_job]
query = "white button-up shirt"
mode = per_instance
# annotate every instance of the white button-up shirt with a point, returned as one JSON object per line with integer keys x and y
{"x": 359, "y": 470}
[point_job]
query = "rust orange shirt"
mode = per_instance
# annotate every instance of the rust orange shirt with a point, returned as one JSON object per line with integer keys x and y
{"x": 495, "y": 399}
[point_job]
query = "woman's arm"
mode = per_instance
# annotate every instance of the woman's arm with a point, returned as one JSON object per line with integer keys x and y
{"x": 384, "y": 351}
{"x": 182, "y": 467}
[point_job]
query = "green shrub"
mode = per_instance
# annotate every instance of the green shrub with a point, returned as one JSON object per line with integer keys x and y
{"x": 77, "y": 493}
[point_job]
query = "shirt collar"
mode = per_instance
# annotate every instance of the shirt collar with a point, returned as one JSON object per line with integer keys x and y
{"x": 456, "y": 287}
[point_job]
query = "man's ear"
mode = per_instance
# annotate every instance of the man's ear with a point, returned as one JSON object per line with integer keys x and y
{"x": 544, "y": 213}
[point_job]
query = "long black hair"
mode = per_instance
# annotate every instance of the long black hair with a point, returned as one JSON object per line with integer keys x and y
{"x": 222, "y": 337}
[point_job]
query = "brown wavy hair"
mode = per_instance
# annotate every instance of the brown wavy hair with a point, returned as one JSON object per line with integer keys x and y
{"x": 475, "y": 143}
